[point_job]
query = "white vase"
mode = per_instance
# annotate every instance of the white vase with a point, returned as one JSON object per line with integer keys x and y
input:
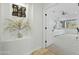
{"x": 19, "y": 34}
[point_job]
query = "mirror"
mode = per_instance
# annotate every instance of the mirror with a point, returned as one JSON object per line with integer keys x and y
{"x": 69, "y": 24}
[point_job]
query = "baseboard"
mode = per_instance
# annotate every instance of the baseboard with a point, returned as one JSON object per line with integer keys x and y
{"x": 17, "y": 53}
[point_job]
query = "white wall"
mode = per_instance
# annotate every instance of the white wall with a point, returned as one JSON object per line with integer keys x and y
{"x": 37, "y": 25}
{"x": 6, "y": 13}
{"x": 29, "y": 42}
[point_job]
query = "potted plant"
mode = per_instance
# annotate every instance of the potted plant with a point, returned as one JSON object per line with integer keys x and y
{"x": 18, "y": 25}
